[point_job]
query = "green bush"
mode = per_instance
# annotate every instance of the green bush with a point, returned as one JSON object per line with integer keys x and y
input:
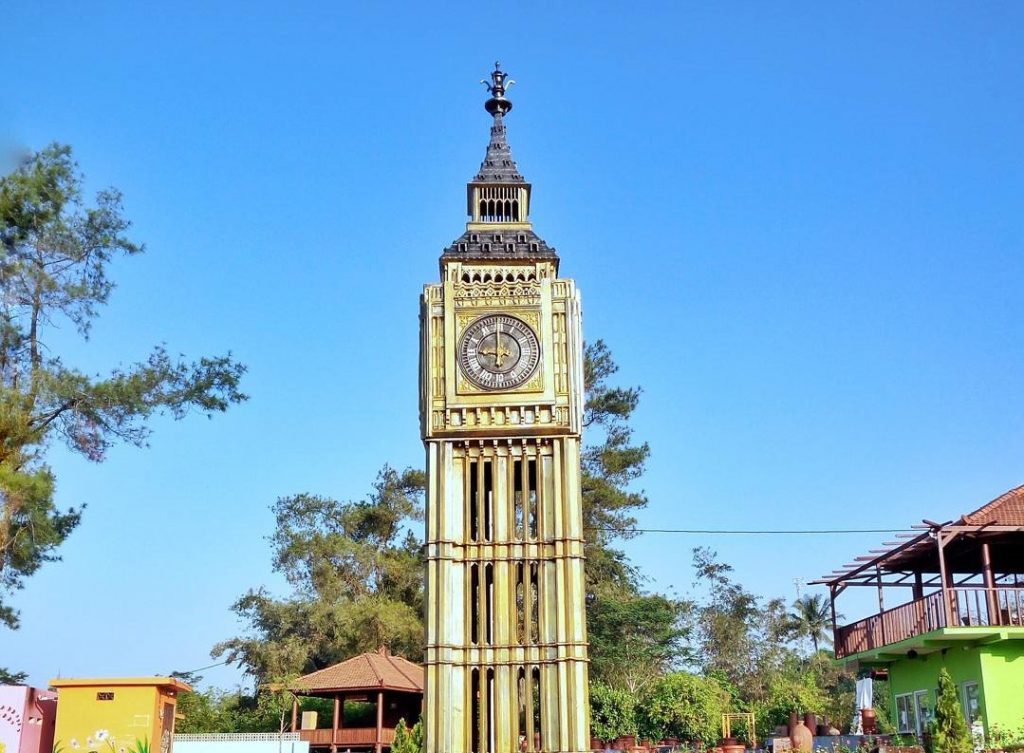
{"x": 612, "y": 712}
{"x": 685, "y": 706}
{"x": 787, "y": 694}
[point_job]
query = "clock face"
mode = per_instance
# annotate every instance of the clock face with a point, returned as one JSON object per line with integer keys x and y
{"x": 499, "y": 352}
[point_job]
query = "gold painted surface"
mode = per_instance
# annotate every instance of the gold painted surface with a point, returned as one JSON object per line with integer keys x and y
{"x": 540, "y": 421}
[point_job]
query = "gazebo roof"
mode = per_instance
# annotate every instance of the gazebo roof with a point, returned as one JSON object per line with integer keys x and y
{"x": 1005, "y": 510}
{"x": 999, "y": 522}
{"x": 373, "y": 671}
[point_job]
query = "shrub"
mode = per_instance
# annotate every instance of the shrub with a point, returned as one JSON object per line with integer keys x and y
{"x": 612, "y": 712}
{"x": 685, "y": 706}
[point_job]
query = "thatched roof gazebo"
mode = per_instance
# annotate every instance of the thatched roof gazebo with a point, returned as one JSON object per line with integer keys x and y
{"x": 394, "y": 684}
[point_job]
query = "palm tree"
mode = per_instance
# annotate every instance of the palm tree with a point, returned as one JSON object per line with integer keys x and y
{"x": 811, "y": 618}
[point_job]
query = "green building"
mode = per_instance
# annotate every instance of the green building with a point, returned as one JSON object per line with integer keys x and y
{"x": 965, "y": 583}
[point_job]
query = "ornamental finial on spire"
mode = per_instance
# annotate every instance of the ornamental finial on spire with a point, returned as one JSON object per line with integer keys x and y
{"x": 500, "y": 82}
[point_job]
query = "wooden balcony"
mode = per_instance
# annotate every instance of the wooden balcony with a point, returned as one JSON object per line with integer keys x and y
{"x": 968, "y": 607}
{"x": 351, "y": 737}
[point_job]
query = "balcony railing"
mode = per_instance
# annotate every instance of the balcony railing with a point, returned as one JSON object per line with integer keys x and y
{"x": 968, "y": 607}
{"x": 361, "y": 737}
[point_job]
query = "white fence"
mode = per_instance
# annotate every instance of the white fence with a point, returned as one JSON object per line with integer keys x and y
{"x": 242, "y": 742}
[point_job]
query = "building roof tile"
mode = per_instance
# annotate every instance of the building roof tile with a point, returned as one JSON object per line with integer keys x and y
{"x": 1004, "y": 510}
{"x": 365, "y": 672}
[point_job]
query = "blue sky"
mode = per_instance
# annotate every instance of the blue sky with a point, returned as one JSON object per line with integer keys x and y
{"x": 798, "y": 226}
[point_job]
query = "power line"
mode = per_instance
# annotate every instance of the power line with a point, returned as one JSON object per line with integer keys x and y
{"x": 750, "y": 531}
{"x": 211, "y": 666}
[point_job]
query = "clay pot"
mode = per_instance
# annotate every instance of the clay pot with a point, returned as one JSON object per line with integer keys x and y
{"x": 802, "y": 738}
{"x": 869, "y": 720}
{"x": 596, "y": 744}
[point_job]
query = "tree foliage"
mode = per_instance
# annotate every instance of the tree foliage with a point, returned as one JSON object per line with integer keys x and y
{"x": 740, "y": 637}
{"x": 948, "y": 730}
{"x": 55, "y": 254}
{"x": 356, "y": 573}
{"x": 634, "y": 638}
{"x": 611, "y": 461}
{"x": 408, "y": 740}
{"x": 612, "y": 712}
{"x": 685, "y": 706}
{"x": 811, "y": 618}
{"x": 223, "y": 711}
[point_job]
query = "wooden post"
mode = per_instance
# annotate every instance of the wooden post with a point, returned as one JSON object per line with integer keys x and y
{"x": 918, "y": 591}
{"x": 944, "y": 578}
{"x": 832, "y": 604}
{"x": 380, "y": 721}
{"x": 295, "y": 713}
{"x": 990, "y": 585}
{"x": 881, "y": 594}
{"x": 336, "y": 723}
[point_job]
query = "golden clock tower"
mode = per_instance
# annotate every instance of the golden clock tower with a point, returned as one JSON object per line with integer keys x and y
{"x": 501, "y": 409}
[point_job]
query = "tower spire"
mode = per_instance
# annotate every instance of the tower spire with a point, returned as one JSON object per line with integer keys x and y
{"x": 498, "y": 165}
{"x": 497, "y": 103}
{"x": 498, "y": 196}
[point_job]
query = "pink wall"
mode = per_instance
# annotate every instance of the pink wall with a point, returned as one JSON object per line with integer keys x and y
{"x": 27, "y": 719}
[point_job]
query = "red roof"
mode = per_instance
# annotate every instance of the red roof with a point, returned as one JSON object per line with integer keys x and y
{"x": 365, "y": 672}
{"x": 1006, "y": 510}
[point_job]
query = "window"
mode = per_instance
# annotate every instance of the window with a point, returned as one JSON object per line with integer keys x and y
{"x": 906, "y": 715}
{"x": 972, "y": 701}
{"x": 474, "y": 604}
{"x": 923, "y": 702}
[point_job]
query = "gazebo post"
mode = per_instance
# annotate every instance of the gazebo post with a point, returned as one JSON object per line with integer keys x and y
{"x": 990, "y": 585}
{"x": 881, "y": 592}
{"x": 380, "y": 721}
{"x": 947, "y": 611}
{"x": 336, "y": 723}
{"x": 295, "y": 713}
{"x": 832, "y": 604}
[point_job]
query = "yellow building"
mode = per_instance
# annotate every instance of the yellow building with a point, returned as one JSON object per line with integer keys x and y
{"x": 116, "y": 715}
{"x": 501, "y": 404}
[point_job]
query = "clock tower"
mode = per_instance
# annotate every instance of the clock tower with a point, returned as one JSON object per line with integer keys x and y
{"x": 501, "y": 410}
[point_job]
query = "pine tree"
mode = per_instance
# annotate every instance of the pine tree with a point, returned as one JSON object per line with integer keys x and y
{"x": 949, "y": 733}
{"x": 408, "y": 740}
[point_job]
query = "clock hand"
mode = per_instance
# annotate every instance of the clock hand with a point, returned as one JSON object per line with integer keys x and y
{"x": 498, "y": 355}
{"x": 498, "y": 351}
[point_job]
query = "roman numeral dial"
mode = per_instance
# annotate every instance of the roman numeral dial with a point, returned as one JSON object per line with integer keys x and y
{"x": 498, "y": 352}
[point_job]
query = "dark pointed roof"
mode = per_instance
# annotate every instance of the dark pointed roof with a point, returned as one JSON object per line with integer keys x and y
{"x": 499, "y": 245}
{"x": 498, "y": 165}
{"x": 492, "y": 241}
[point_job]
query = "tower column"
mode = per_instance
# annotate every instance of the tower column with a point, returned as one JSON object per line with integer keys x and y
{"x": 501, "y": 400}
